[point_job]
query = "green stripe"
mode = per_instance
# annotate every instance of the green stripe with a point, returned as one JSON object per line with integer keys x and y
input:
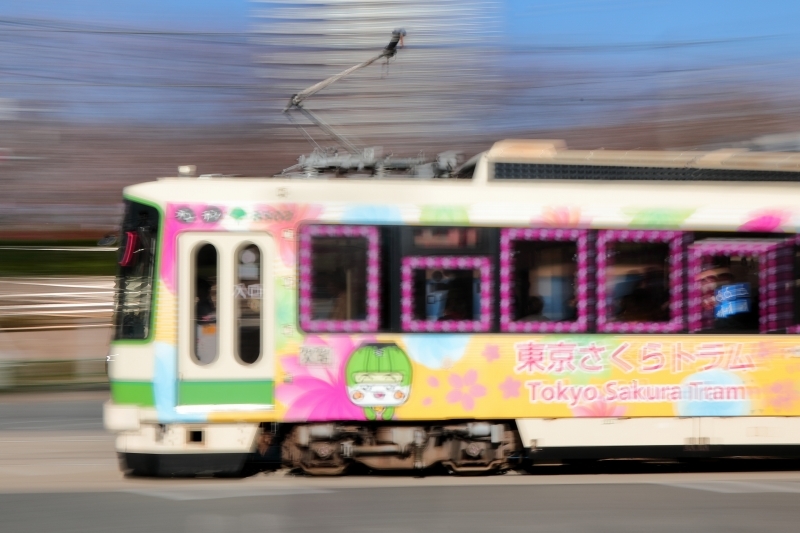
{"x": 132, "y": 393}
{"x": 223, "y": 392}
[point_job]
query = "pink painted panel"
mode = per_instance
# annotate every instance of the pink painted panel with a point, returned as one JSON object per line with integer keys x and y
{"x": 675, "y": 240}
{"x": 410, "y": 324}
{"x": 370, "y": 324}
{"x": 584, "y": 280}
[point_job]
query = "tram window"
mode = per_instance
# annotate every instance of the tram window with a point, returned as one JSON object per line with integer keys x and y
{"x": 204, "y": 322}
{"x": 443, "y": 240}
{"x": 134, "y": 284}
{"x": 247, "y": 294}
{"x": 729, "y": 291}
{"x": 637, "y": 282}
{"x": 340, "y": 271}
{"x": 795, "y": 286}
{"x": 446, "y": 238}
{"x": 739, "y": 285}
{"x": 640, "y": 284}
{"x": 544, "y": 280}
{"x": 449, "y": 293}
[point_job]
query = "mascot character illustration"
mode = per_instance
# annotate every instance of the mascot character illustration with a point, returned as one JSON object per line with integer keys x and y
{"x": 378, "y": 379}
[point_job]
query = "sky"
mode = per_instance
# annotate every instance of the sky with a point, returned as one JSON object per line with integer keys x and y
{"x": 525, "y": 21}
{"x": 219, "y": 15}
{"x": 648, "y": 21}
{"x": 735, "y": 40}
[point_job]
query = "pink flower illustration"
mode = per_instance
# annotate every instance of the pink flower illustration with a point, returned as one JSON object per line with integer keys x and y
{"x": 465, "y": 389}
{"x": 208, "y": 217}
{"x": 179, "y": 218}
{"x": 285, "y": 231}
{"x": 781, "y": 395}
{"x": 510, "y": 388}
{"x": 433, "y": 381}
{"x": 766, "y": 221}
{"x": 319, "y": 393}
{"x": 491, "y": 353}
{"x": 598, "y": 409}
{"x": 561, "y": 217}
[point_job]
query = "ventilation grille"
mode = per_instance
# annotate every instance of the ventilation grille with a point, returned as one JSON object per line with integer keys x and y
{"x": 527, "y": 171}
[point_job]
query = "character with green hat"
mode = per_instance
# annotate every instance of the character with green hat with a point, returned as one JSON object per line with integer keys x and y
{"x": 378, "y": 379}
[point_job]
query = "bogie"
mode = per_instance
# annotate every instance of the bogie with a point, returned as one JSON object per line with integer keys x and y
{"x": 471, "y": 447}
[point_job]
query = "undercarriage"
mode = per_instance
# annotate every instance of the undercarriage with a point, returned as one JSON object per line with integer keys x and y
{"x": 462, "y": 448}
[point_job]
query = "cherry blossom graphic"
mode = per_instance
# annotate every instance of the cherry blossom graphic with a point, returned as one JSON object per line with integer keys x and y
{"x": 433, "y": 381}
{"x": 510, "y": 388}
{"x": 491, "y": 353}
{"x": 465, "y": 389}
{"x": 781, "y": 395}
{"x": 766, "y": 221}
{"x": 561, "y": 217}
{"x": 318, "y": 393}
{"x": 180, "y": 218}
{"x": 598, "y": 409}
{"x": 765, "y": 351}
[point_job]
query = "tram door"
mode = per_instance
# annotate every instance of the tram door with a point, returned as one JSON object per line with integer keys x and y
{"x": 225, "y": 318}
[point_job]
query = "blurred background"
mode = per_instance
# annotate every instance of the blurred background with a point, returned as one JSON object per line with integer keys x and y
{"x": 96, "y": 95}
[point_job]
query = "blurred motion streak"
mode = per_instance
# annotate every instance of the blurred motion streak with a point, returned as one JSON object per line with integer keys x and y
{"x": 55, "y": 303}
{"x": 89, "y": 104}
{"x": 441, "y": 86}
{"x": 92, "y": 102}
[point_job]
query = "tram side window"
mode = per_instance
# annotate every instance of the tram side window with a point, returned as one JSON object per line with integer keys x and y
{"x": 794, "y": 285}
{"x": 730, "y": 287}
{"x": 248, "y": 293}
{"x": 740, "y": 285}
{"x": 206, "y": 272}
{"x": 640, "y": 281}
{"x": 545, "y": 282}
{"x": 443, "y": 238}
{"x": 446, "y": 293}
{"x": 340, "y": 273}
{"x": 135, "y": 278}
{"x": 446, "y": 279}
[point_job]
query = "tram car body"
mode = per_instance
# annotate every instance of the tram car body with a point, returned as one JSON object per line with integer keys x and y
{"x": 556, "y": 305}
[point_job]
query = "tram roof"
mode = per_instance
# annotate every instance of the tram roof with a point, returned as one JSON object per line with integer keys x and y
{"x": 524, "y": 159}
{"x": 666, "y": 178}
{"x": 543, "y": 150}
{"x": 548, "y": 159}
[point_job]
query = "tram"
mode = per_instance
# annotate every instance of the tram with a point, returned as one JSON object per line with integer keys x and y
{"x": 540, "y": 304}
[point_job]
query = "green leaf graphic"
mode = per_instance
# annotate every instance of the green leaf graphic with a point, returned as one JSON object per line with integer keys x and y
{"x": 658, "y": 217}
{"x": 452, "y": 214}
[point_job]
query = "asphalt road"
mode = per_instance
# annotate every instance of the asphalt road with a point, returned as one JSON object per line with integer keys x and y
{"x": 471, "y": 507}
{"x": 70, "y": 411}
{"x": 62, "y": 476}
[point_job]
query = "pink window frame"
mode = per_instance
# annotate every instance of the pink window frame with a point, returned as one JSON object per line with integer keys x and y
{"x": 460, "y": 262}
{"x": 773, "y": 273}
{"x": 583, "y": 279}
{"x": 372, "y": 321}
{"x": 675, "y": 240}
{"x": 786, "y": 264}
